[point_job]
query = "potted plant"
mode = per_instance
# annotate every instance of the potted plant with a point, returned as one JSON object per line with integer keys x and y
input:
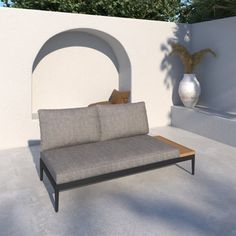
{"x": 189, "y": 87}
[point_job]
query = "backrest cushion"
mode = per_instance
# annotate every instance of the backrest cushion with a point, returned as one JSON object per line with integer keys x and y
{"x": 122, "y": 120}
{"x": 65, "y": 127}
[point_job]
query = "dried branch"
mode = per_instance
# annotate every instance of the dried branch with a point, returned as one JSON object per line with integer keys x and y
{"x": 190, "y": 61}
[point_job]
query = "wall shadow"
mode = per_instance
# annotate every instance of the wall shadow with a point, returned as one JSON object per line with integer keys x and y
{"x": 172, "y": 64}
{"x": 75, "y": 39}
{"x": 94, "y": 39}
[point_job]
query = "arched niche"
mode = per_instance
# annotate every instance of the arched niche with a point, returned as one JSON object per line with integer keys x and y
{"x": 78, "y": 67}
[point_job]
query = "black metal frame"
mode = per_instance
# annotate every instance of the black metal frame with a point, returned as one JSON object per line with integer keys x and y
{"x": 109, "y": 176}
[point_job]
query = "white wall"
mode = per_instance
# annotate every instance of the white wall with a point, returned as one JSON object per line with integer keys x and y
{"x": 24, "y": 32}
{"x": 217, "y": 76}
{"x": 71, "y": 71}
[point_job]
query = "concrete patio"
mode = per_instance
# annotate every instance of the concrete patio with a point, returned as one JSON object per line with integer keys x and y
{"x": 64, "y": 60}
{"x": 167, "y": 201}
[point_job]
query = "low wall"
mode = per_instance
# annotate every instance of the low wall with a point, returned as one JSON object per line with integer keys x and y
{"x": 207, "y": 123}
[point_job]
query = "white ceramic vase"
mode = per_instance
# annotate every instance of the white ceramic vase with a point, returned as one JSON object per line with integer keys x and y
{"x": 189, "y": 90}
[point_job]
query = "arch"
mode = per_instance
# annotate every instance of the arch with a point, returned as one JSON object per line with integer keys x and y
{"x": 103, "y": 47}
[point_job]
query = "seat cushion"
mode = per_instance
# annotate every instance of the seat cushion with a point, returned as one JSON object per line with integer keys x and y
{"x": 65, "y": 127}
{"x": 93, "y": 159}
{"x": 122, "y": 120}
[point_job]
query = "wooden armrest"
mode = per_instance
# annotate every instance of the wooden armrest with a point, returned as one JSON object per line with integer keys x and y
{"x": 183, "y": 151}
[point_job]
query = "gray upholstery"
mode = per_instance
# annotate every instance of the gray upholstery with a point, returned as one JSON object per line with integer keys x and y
{"x": 87, "y": 160}
{"x": 64, "y": 127}
{"x": 122, "y": 120}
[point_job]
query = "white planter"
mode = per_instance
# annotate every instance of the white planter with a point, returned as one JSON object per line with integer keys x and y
{"x": 189, "y": 90}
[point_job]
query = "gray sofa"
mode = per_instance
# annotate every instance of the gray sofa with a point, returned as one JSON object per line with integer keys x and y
{"x": 87, "y": 145}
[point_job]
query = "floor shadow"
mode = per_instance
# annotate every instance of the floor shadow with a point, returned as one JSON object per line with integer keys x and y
{"x": 49, "y": 189}
{"x": 34, "y": 147}
{"x": 182, "y": 168}
{"x": 175, "y": 212}
{"x": 35, "y": 152}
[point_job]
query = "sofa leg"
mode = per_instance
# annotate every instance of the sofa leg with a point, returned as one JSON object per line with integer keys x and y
{"x": 193, "y": 165}
{"x": 41, "y": 170}
{"x": 56, "y": 199}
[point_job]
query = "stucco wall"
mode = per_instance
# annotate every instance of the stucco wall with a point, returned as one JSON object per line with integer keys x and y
{"x": 217, "y": 76}
{"x": 153, "y": 73}
{"x": 69, "y": 68}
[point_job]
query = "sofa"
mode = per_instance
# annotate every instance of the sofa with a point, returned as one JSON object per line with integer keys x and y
{"x": 82, "y": 146}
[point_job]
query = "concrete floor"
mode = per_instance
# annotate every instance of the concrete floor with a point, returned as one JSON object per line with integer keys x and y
{"x": 167, "y": 201}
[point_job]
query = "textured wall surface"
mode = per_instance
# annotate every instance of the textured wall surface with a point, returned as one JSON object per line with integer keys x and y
{"x": 217, "y": 76}
{"x": 71, "y": 71}
{"x": 140, "y": 48}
